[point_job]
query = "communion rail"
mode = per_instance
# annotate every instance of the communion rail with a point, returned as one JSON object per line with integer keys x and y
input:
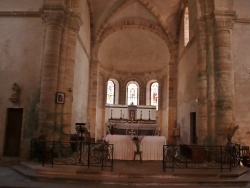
{"x": 202, "y": 157}
{"x": 72, "y": 153}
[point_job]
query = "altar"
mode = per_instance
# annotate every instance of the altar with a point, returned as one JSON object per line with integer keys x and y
{"x": 134, "y": 129}
{"x": 151, "y": 147}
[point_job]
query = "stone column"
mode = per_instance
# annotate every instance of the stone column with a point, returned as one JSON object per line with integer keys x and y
{"x": 172, "y": 102}
{"x": 142, "y": 94}
{"x": 210, "y": 81}
{"x": 202, "y": 133}
{"x": 223, "y": 76}
{"x": 160, "y": 104}
{"x": 93, "y": 89}
{"x": 67, "y": 77}
{"x": 122, "y": 93}
{"x": 49, "y": 77}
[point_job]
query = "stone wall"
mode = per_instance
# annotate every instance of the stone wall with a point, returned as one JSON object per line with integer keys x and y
{"x": 187, "y": 90}
{"x": 241, "y": 56}
{"x": 81, "y": 70}
{"x": 21, "y": 47}
{"x": 44, "y": 51}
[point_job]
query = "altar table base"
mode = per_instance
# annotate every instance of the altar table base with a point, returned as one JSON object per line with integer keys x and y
{"x": 151, "y": 147}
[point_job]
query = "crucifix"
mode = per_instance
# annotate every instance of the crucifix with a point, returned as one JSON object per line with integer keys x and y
{"x": 132, "y": 132}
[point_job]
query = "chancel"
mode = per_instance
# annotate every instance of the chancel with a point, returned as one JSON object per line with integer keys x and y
{"x": 131, "y": 120}
{"x": 132, "y": 117}
{"x": 165, "y": 71}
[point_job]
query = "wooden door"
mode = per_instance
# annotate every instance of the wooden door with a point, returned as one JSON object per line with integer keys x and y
{"x": 193, "y": 136}
{"x": 13, "y": 132}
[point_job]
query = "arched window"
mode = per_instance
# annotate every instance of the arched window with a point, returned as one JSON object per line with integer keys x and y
{"x": 132, "y": 93}
{"x": 186, "y": 27}
{"x": 110, "y": 92}
{"x": 154, "y": 94}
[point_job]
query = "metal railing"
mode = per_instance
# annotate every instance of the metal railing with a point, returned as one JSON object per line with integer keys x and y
{"x": 200, "y": 157}
{"x": 72, "y": 153}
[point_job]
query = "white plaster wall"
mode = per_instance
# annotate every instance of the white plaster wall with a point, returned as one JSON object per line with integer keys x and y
{"x": 187, "y": 77}
{"x": 81, "y": 70}
{"x": 80, "y": 88}
{"x": 241, "y": 57}
{"x": 242, "y": 8}
{"x": 187, "y": 90}
{"x": 21, "y": 46}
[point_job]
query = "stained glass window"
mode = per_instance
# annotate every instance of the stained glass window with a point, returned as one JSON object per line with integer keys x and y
{"x": 132, "y": 94}
{"x": 110, "y": 92}
{"x": 154, "y": 94}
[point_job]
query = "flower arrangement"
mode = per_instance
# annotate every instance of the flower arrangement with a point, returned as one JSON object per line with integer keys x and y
{"x": 111, "y": 129}
{"x": 137, "y": 140}
{"x": 229, "y": 133}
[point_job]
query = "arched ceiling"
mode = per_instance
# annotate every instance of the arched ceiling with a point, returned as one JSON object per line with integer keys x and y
{"x": 136, "y": 48}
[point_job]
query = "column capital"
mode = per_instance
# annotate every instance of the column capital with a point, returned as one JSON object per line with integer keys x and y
{"x": 224, "y": 23}
{"x": 53, "y": 16}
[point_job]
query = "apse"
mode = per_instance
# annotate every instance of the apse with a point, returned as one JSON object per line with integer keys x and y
{"x": 134, "y": 50}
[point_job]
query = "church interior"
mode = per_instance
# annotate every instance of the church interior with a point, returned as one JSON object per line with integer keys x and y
{"x": 173, "y": 71}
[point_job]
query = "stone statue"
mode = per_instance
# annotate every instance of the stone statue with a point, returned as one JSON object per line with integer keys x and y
{"x": 16, "y": 90}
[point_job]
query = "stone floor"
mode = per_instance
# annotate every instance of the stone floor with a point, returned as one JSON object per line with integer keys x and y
{"x": 132, "y": 172}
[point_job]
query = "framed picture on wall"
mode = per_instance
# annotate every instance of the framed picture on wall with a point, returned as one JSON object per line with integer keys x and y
{"x": 60, "y": 97}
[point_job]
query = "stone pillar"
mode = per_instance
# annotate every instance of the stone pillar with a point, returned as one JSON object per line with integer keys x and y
{"x": 60, "y": 87}
{"x": 172, "y": 102}
{"x": 202, "y": 133}
{"x": 210, "y": 81}
{"x": 93, "y": 89}
{"x": 49, "y": 77}
{"x": 160, "y": 104}
{"x": 142, "y": 94}
{"x": 223, "y": 77}
{"x": 67, "y": 77}
{"x": 122, "y": 93}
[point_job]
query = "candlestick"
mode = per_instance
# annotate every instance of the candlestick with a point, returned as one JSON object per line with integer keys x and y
{"x": 149, "y": 114}
{"x": 121, "y": 115}
{"x": 111, "y": 114}
{"x": 141, "y": 114}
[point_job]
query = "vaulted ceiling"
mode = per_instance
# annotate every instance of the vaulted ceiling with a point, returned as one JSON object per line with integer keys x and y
{"x": 135, "y": 35}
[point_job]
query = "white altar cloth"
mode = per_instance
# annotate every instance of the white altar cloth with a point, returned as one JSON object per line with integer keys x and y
{"x": 151, "y": 147}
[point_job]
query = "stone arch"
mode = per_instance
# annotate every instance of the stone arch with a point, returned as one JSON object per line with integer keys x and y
{"x": 114, "y": 12}
{"x": 157, "y": 14}
{"x": 131, "y": 24}
{"x": 150, "y": 7}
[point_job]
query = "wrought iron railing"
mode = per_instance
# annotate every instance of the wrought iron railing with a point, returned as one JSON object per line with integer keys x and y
{"x": 72, "y": 153}
{"x": 197, "y": 157}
